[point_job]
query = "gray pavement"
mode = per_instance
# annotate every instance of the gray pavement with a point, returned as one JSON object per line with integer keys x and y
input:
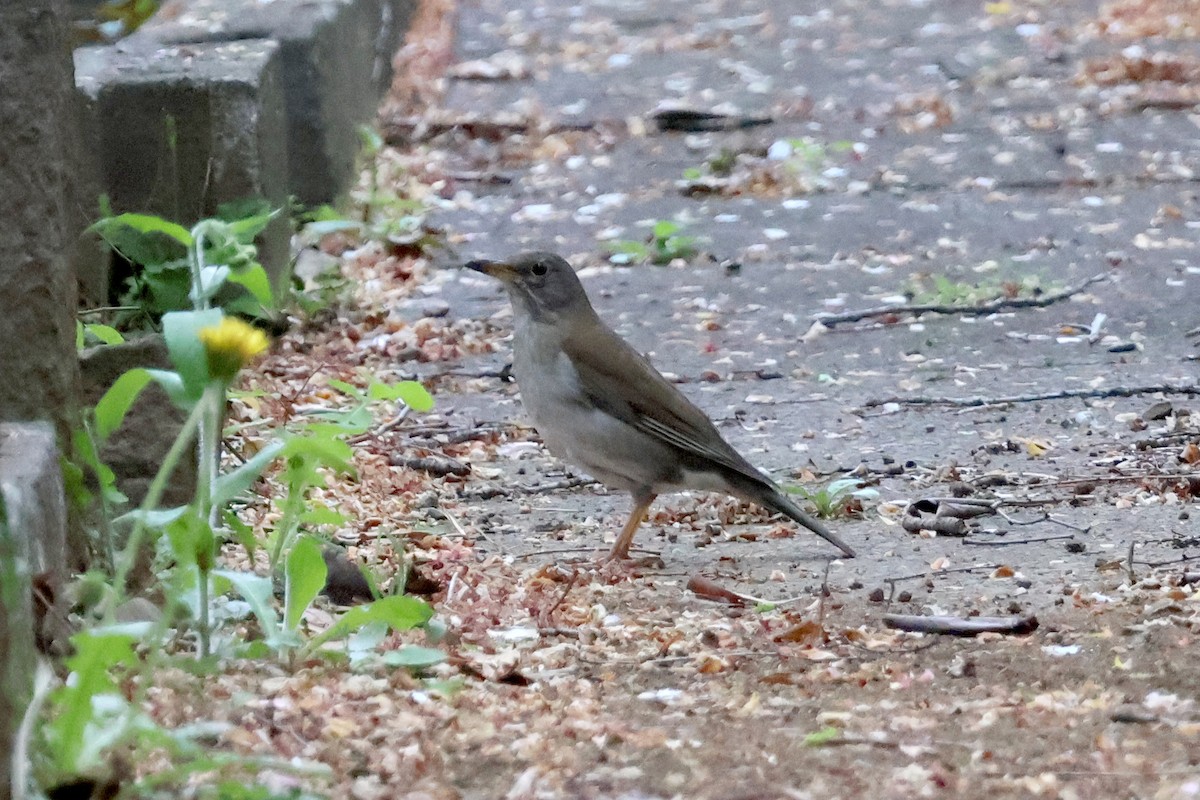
{"x": 977, "y": 154}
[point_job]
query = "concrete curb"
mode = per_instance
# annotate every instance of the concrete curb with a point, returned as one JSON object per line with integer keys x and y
{"x": 33, "y": 525}
{"x": 236, "y": 98}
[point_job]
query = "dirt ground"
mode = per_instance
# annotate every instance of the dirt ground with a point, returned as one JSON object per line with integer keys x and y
{"x": 924, "y": 151}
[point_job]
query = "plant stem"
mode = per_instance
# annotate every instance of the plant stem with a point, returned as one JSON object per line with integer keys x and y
{"x": 199, "y": 300}
{"x": 209, "y": 445}
{"x": 205, "y": 636}
{"x": 154, "y": 495}
{"x": 212, "y": 402}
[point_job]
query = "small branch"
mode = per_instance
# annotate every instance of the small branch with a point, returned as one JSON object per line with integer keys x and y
{"x": 961, "y": 626}
{"x": 545, "y": 619}
{"x": 943, "y": 526}
{"x": 1169, "y": 562}
{"x": 1066, "y": 394}
{"x": 1007, "y": 542}
{"x": 440, "y": 466}
{"x": 989, "y": 307}
{"x": 931, "y": 573}
{"x": 387, "y": 427}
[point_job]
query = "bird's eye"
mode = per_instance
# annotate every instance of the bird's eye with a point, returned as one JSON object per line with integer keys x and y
{"x": 538, "y": 269}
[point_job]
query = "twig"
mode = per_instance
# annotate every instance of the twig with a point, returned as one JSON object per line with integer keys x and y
{"x": 961, "y": 626}
{"x": 989, "y": 307}
{"x": 1044, "y": 518}
{"x": 1065, "y": 394}
{"x": 824, "y": 593}
{"x": 390, "y": 425}
{"x": 560, "y": 550}
{"x": 1007, "y": 542}
{"x": 1170, "y": 562}
{"x": 943, "y": 526}
{"x": 440, "y": 466}
{"x": 553, "y": 486}
{"x": 1129, "y": 563}
{"x": 935, "y": 572}
{"x": 544, "y": 620}
{"x": 87, "y": 312}
{"x": 461, "y": 531}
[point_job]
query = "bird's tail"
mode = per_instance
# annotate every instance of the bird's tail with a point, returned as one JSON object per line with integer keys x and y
{"x": 769, "y": 496}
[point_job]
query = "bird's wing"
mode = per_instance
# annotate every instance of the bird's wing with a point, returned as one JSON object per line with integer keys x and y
{"x": 629, "y": 388}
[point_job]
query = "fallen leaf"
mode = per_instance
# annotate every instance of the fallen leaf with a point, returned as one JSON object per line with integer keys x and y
{"x": 807, "y": 632}
{"x": 703, "y": 587}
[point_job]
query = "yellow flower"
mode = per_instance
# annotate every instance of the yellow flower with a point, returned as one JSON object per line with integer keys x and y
{"x": 230, "y": 345}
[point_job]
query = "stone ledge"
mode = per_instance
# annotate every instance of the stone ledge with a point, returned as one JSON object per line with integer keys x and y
{"x": 266, "y": 97}
{"x": 185, "y": 128}
{"x": 33, "y": 525}
{"x": 337, "y": 63}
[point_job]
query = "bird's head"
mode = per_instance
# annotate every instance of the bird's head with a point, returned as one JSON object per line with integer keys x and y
{"x": 542, "y": 284}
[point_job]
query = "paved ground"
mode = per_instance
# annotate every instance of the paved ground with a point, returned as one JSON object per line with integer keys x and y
{"x": 935, "y": 150}
{"x": 1019, "y": 171}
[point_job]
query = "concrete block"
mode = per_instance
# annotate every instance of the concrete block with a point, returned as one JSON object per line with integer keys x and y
{"x": 182, "y": 129}
{"x": 33, "y": 527}
{"x": 337, "y": 63}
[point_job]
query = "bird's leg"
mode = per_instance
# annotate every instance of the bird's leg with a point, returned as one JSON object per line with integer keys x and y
{"x": 620, "y": 548}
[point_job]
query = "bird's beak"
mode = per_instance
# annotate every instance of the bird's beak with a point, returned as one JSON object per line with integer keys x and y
{"x": 499, "y": 270}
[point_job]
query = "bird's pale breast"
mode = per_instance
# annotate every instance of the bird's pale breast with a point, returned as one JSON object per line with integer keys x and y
{"x": 571, "y": 426}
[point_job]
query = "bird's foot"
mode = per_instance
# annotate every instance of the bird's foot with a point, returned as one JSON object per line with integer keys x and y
{"x": 615, "y": 565}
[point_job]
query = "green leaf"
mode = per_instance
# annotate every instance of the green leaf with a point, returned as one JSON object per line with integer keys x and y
{"x": 364, "y": 642}
{"x": 115, "y": 403}
{"x": 147, "y": 223}
{"x": 256, "y": 281}
{"x": 824, "y": 736}
{"x": 413, "y": 657}
{"x": 414, "y": 395}
{"x": 181, "y": 332}
{"x": 327, "y": 226}
{"x": 172, "y": 384}
{"x": 239, "y": 479}
{"x": 243, "y": 534}
{"x": 399, "y": 612}
{"x": 192, "y": 540}
{"x": 247, "y": 228}
{"x": 155, "y": 518}
{"x": 664, "y": 228}
{"x": 325, "y": 449}
{"x": 167, "y": 290}
{"x": 343, "y": 422}
{"x": 212, "y": 278}
{"x": 323, "y": 515}
{"x": 258, "y": 592}
{"x": 346, "y": 388}
{"x": 96, "y": 652}
{"x": 305, "y": 572}
{"x": 105, "y": 333}
{"x": 446, "y": 688}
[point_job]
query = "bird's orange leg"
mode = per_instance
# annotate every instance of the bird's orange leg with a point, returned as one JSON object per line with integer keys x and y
{"x": 620, "y": 548}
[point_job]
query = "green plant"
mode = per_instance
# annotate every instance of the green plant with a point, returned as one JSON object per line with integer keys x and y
{"x": 942, "y": 290}
{"x": 810, "y": 156}
{"x": 666, "y": 243}
{"x": 96, "y": 714}
{"x": 841, "y": 498}
{"x": 113, "y": 19}
{"x": 175, "y": 268}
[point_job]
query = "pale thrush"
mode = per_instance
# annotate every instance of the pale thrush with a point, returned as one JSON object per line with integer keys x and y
{"x": 601, "y": 405}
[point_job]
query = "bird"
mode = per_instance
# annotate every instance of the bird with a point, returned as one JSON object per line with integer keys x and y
{"x": 599, "y": 404}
